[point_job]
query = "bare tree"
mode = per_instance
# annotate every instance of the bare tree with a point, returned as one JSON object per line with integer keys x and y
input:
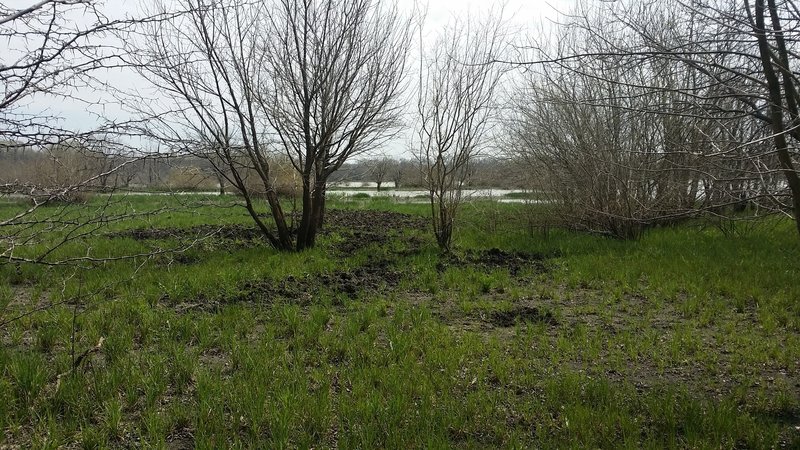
{"x": 380, "y": 169}
{"x": 48, "y": 52}
{"x": 334, "y": 88}
{"x": 457, "y": 86}
{"x": 204, "y": 57}
{"x": 590, "y": 137}
{"x": 781, "y": 83}
{"x": 54, "y": 50}
{"x": 398, "y": 173}
{"x": 318, "y": 81}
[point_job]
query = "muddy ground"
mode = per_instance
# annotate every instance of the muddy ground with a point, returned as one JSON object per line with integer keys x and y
{"x": 357, "y": 229}
{"x": 383, "y": 270}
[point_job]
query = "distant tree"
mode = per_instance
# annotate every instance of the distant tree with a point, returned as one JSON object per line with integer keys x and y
{"x": 380, "y": 169}
{"x": 397, "y": 174}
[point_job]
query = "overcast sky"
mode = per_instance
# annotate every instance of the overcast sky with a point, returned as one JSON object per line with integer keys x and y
{"x": 527, "y": 17}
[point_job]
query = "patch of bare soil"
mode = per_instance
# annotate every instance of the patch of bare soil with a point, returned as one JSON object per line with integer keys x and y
{"x": 363, "y": 228}
{"x": 301, "y": 290}
{"x": 522, "y": 314}
{"x": 230, "y": 236}
{"x": 373, "y": 277}
{"x": 180, "y": 439}
{"x": 496, "y": 258}
{"x": 371, "y": 220}
{"x": 359, "y": 229}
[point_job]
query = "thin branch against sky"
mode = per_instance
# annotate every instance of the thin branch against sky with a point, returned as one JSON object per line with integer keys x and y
{"x": 88, "y": 107}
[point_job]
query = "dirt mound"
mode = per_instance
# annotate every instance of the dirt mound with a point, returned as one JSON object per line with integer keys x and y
{"x": 522, "y": 314}
{"x": 358, "y": 228}
{"x": 368, "y": 278}
{"x": 221, "y": 232}
{"x": 371, "y": 220}
{"x": 356, "y": 240}
{"x": 496, "y": 258}
{"x": 373, "y": 277}
{"x": 363, "y": 228}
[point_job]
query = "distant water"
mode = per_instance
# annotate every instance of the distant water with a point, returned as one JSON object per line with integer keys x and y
{"x": 422, "y": 195}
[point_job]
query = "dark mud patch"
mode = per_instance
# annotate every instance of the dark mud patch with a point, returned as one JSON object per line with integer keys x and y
{"x": 265, "y": 291}
{"x": 373, "y": 277}
{"x": 360, "y": 229}
{"x": 354, "y": 241}
{"x": 228, "y": 235}
{"x": 371, "y": 220}
{"x": 530, "y": 314}
{"x": 495, "y": 258}
{"x": 181, "y": 438}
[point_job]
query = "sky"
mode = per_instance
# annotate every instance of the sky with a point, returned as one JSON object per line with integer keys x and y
{"x": 525, "y": 16}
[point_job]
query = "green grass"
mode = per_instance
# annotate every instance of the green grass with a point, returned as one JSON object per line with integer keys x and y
{"x": 685, "y": 339}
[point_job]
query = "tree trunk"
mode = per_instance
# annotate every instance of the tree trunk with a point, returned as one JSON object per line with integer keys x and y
{"x": 321, "y": 204}
{"x": 283, "y": 241}
{"x": 445, "y": 236}
{"x": 284, "y": 234}
{"x": 442, "y": 223}
{"x": 221, "y": 182}
{"x": 313, "y": 212}
{"x": 305, "y": 220}
{"x": 776, "y": 108}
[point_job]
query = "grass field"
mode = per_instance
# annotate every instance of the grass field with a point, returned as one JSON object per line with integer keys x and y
{"x": 688, "y": 338}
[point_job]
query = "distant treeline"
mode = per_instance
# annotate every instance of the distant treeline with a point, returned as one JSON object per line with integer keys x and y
{"x": 70, "y": 164}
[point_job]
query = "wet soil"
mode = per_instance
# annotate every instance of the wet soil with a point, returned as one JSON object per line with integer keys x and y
{"x": 495, "y": 258}
{"x": 374, "y": 277}
{"x": 230, "y": 236}
{"x": 358, "y": 229}
{"x": 373, "y": 221}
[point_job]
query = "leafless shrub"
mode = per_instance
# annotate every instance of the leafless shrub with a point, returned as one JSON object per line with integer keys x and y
{"x": 623, "y": 134}
{"x": 455, "y": 106}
